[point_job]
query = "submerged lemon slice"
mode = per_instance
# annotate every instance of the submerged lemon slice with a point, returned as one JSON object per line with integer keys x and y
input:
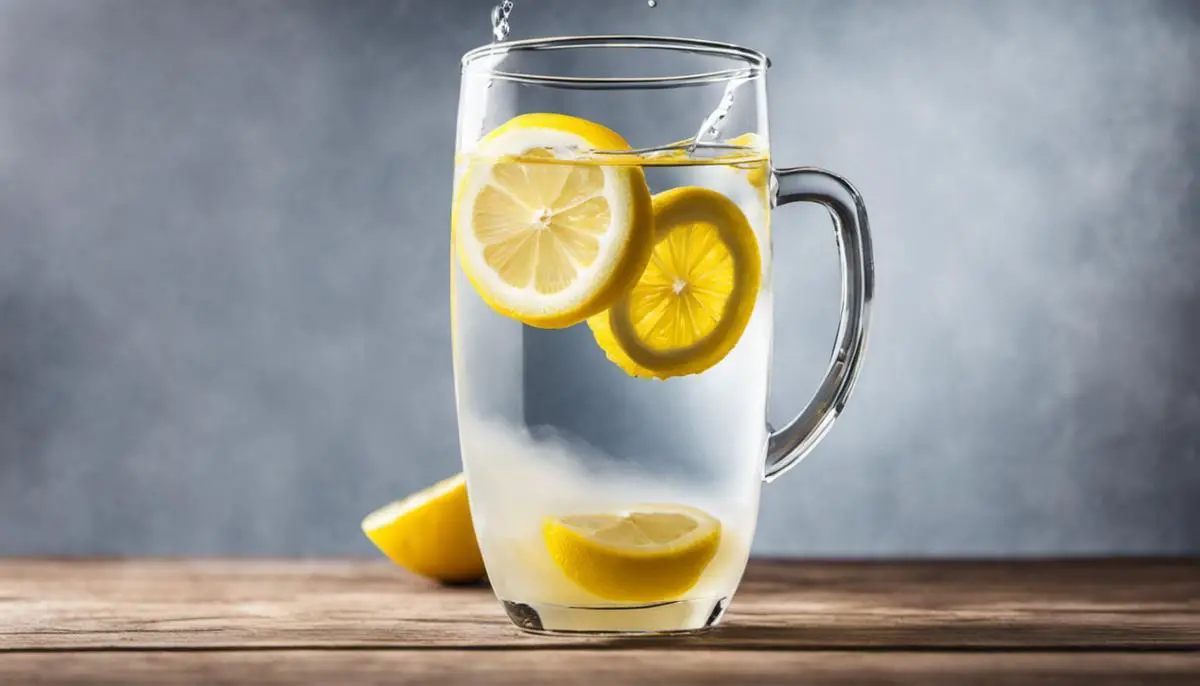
{"x": 693, "y": 301}
{"x": 653, "y": 553}
{"x": 430, "y": 533}
{"x": 545, "y": 239}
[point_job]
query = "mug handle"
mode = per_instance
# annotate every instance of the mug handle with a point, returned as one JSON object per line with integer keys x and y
{"x": 787, "y": 445}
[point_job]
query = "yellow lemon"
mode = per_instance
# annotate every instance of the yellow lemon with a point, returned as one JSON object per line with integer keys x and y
{"x": 758, "y": 169}
{"x": 693, "y": 301}
{"x": 430, "y": 533}
{"x": 547, "y": 236}
{"x": 649, "y": 554}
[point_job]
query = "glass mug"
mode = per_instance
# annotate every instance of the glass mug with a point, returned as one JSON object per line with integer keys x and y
{"x": 612, "y": 324}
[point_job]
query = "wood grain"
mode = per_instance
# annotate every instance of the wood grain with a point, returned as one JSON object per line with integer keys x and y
{"x": 190, "y": 604}
{"x": 549, "y": 666}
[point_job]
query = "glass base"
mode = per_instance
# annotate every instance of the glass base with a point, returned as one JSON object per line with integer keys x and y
{"x": 654, "y": 619}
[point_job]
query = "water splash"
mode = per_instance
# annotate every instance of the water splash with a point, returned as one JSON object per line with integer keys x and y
{"x": 711, "y": 127}
{"x": 500, "y": 25}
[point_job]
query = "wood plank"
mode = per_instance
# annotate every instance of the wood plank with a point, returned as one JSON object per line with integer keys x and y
{"x": 63, "y": 604}
{"x": 658, "y": 667}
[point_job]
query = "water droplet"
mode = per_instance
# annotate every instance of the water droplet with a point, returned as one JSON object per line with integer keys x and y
{"x": 652, "y": 3}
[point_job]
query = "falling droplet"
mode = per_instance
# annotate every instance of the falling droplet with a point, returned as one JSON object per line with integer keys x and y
{"x": 652, "y": 3}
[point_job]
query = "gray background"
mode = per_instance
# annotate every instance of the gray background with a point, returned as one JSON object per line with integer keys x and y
{"x": 224, "y": 299}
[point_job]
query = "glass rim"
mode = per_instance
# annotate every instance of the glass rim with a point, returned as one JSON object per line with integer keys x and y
{"x": 751, "y": 63}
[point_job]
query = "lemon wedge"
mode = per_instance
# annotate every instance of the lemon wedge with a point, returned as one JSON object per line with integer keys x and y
{"x": 650, "y": 554}
{"x": 696, "y": 295}
{"x": 544, "y": 238}
{"x": 430, "y": 533}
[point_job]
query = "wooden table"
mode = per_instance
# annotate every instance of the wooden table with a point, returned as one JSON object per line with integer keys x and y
{"x": 333, "y": 622}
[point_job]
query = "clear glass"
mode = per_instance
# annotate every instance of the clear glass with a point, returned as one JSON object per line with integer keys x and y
{"x": 551, "y": 427}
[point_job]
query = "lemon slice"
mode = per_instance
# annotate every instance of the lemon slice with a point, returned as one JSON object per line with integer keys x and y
{"x": 430, "y": 533}
{"x": 758, "y": 171}
{"x": 545, "y": 239}
{"x": 652, "y": 553}
{"x": 693, "y": 301}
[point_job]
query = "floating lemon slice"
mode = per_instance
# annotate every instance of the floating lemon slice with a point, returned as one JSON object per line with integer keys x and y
{"x": 545, "y": 239}
{"x": 430, "y": 533}
{"x": 650, "y": 554}
{"x": 693, "y": 301}
{"x": 757, "y": 171}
